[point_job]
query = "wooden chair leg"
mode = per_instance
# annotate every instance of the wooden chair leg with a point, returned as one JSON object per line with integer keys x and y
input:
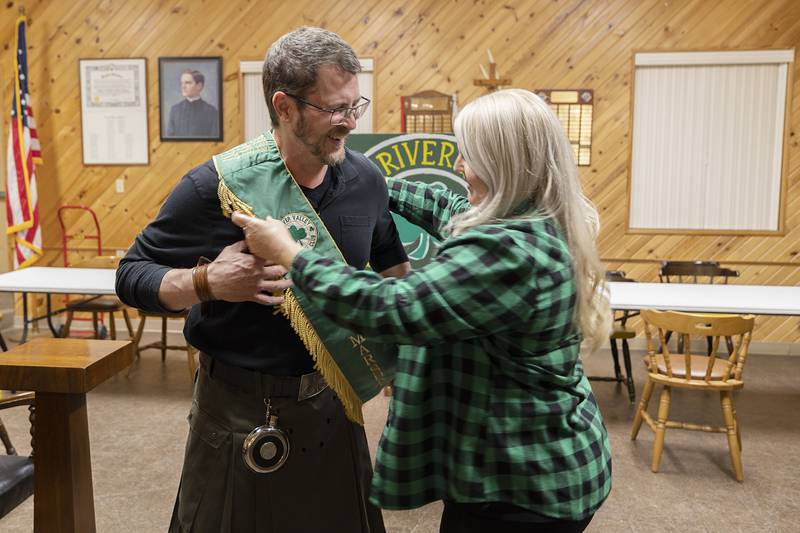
{"x": 131, "y": 333}
{"x": 730, "y": 425}
{"x": 637, "y": 420}
{"x": 736, "y": 421}
{"x": 190, "y": 353}
{"x": 6, "y": 440}
{"x": 128, "y": 324}
{"x": 626, "y": 358}
{"x": 67, "y": 325}
{"x": 95, "y": 326}
{"x": 729, "y": 344}
{"x": 139, "y": 331}
{"x": 661, "y": 427}
{"x": 112, "y": 328}
{"x": 615, "y": 356}
{"x": 163, "y": 339}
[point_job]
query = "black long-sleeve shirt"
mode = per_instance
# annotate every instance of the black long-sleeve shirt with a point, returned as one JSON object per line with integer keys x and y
{"x": 354, "y": 208}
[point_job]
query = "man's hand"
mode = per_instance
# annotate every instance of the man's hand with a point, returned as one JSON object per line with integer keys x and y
{"x": 234, "y": 276}
{"x": 237, "y": 276}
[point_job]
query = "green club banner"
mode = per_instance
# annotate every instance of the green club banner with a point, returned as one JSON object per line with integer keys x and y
{"x": 424, "y": 157}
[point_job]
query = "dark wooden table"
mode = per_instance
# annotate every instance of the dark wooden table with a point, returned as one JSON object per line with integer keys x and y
{"x": 61, "y": 372}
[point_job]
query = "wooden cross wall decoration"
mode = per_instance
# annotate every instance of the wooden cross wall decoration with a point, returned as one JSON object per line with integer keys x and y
{"x": 491, "y": 80}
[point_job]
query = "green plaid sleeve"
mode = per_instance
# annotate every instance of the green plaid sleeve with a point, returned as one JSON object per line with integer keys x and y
{"x": 427, "y": 206}
{"x": 481, "y": 283}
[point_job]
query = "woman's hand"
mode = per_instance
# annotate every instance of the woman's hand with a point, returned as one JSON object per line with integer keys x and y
{"x": 268, "y": 239}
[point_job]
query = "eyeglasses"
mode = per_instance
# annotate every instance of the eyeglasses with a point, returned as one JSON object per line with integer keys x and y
{"x": 340, "y": 115}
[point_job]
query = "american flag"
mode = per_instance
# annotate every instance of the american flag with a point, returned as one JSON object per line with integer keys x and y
{"x": 22, "y": 204}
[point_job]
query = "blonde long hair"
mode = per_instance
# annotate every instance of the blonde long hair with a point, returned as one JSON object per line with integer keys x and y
{"x": 515, "y": 144}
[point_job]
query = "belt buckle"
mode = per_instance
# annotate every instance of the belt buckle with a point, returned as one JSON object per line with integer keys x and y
{"x": 310, "y": 385}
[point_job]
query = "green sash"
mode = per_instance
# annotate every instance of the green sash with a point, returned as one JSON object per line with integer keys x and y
{"x": 253, "y": 179}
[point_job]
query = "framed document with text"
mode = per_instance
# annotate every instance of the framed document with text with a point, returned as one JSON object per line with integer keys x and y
{"x": 114, "y": 111}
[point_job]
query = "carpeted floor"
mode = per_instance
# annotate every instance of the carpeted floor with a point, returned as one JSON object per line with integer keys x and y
{"x": 138, "y": 428}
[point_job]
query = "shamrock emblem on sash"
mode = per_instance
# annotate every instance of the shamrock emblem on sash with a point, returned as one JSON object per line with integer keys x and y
{"x": 297, "y": 234}
{"x": 302, "y": 229}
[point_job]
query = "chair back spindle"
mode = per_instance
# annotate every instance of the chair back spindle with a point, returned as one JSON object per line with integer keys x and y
{"x": 690, "y": 326}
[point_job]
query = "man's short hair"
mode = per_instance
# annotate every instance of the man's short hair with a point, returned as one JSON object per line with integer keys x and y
{"x": 293, "y": 61}
{"x": 196, "y": 75}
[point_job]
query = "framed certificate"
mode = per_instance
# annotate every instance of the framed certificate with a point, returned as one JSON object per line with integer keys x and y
{"x": 114, "y": 111}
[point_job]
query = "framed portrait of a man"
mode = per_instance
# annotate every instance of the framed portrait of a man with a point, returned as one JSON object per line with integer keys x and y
{"x": 190, "y": 98}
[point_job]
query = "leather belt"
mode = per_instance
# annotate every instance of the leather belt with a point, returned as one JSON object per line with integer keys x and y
{"x": 255, "y": 382}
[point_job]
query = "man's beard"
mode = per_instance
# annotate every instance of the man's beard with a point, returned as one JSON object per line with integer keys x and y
{"x": 317, "y": 146}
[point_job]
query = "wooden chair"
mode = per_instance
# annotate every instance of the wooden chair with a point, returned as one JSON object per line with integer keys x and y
{"x": 98, "y": 306}
{"x": 16, "y": 473}
{"x": 620, "y": 333}
{"x": 694, "y": 372}
{"x": 162, "y": 344}
{"x": 696, "y": 272}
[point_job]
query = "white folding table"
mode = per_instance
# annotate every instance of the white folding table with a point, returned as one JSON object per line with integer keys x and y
{"x": 706, "y": 298}
{"x": 56, "y": 280}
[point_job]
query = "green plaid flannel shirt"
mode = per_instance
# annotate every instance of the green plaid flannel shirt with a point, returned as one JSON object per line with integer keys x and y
{"x": 492, "y": 405}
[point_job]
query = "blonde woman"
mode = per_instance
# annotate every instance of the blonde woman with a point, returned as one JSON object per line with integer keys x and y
{"x": 493, "y": 414}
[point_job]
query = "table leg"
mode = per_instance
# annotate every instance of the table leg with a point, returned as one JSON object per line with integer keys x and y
{"x": 50, "y": 316}
{"x": 63, "y": 497}
{"x": 24, "y": 337}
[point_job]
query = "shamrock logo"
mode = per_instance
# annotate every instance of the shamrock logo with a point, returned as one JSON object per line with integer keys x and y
{"x": 297, "y": 233}
{"x": 301, "y": 228}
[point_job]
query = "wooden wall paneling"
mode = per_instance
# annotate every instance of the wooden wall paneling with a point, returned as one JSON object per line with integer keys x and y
{"x": 559, "y": 60}
{"x": 491, "y": 26}
{"x": 785, "y": 155}
{"x": 741, "y": 28}
{"x": 500, "y": 29}
{"x": 397, "y": 60}
{"x": 353, "y": 28}
{"x": 427, "y": 59}
{"x": 241, "y": 45}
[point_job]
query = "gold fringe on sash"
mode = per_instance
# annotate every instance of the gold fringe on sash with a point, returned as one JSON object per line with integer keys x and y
{"x": 323, "y": 361}
{"x": 291, "y": 309}
{"x": 230, "y": 202}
